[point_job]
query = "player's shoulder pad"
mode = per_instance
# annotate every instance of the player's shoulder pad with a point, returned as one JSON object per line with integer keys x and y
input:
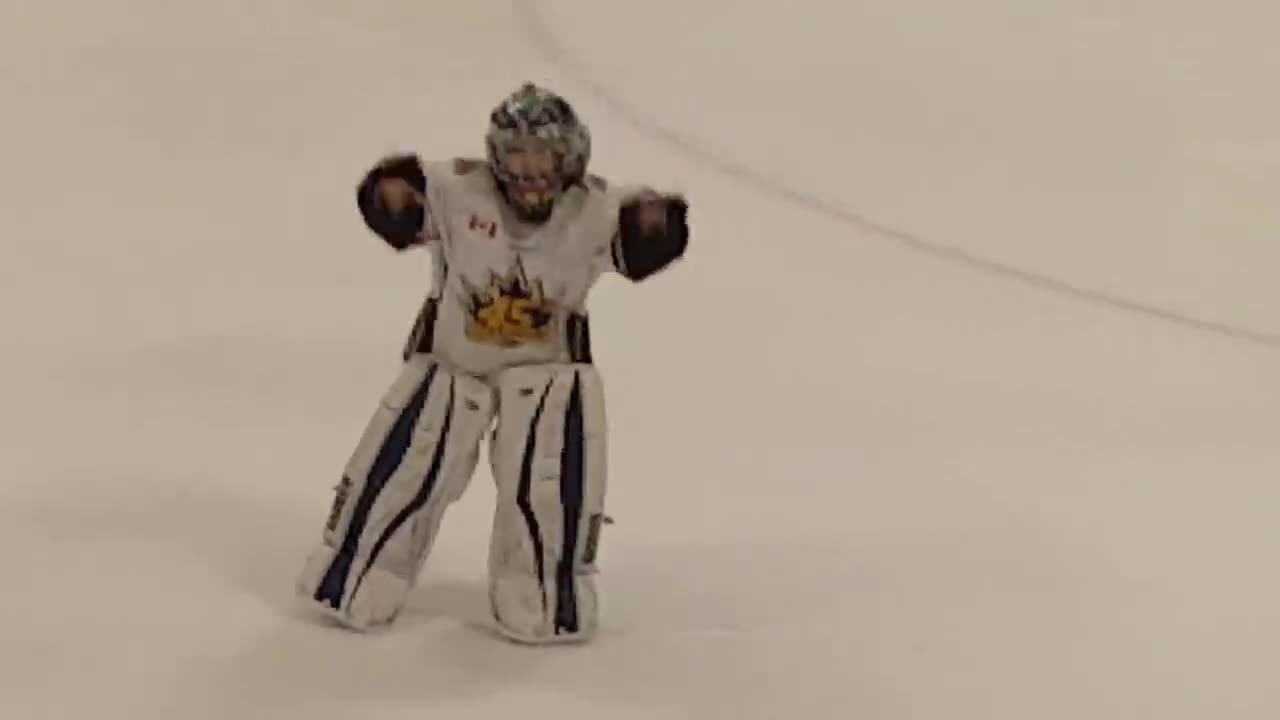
{"x": 597, "y": 183}
{"x": 467, "y": 165}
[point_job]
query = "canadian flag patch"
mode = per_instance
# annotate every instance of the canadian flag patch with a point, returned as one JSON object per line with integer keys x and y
{"x": 479, "y": 224}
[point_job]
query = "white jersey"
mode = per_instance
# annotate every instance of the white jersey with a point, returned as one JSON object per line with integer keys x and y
{"x": 501, "y": 298}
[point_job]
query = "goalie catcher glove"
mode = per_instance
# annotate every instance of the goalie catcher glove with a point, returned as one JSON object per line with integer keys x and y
{"x": 643, "y": 247}
{"x": 399, "y": 229}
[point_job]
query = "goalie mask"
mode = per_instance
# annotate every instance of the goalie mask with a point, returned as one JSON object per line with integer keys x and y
{"x": 537, "y": 149}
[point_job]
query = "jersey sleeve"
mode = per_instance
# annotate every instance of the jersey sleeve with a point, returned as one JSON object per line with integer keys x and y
{"x": 439, "y": 175}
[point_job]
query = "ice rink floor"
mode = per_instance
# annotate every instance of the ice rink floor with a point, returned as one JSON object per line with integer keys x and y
{"x": 965, "y": 404}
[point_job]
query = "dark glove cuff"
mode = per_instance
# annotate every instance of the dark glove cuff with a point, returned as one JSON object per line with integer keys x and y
{"x": 639, "y": 254}
{"x": 399, "y": 230}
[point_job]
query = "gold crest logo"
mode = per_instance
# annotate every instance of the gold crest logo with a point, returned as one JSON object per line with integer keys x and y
{"x": 509, "y": 310}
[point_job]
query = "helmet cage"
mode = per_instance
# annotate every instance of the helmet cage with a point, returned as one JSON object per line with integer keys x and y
{"x": 533, "y": 113}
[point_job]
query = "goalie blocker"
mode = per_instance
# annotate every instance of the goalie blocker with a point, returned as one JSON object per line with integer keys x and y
{"x": 417, "y": 457}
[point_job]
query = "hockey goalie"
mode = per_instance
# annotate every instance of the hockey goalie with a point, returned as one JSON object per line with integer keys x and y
{"x": 501, "y": 349}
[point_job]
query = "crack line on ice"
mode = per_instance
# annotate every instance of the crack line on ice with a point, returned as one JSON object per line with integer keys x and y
{"x": 541, "y": 37}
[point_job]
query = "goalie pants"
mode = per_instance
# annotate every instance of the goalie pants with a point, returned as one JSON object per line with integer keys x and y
{"x": 417, "y": 456}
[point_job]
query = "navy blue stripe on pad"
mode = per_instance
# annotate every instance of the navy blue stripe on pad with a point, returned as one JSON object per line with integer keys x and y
{"x": 524, "y": 489}
{"x": 420, "y": 499}
{"x": 389, "y": 457}
{"x": 572, "y": 489}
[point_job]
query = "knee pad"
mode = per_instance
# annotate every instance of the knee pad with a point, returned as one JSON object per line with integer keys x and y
{"x": 415, "y": 458}
{"x": 548, "y": 457}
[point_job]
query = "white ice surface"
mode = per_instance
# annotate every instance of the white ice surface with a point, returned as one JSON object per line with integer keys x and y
{"x": 852, "y": 479}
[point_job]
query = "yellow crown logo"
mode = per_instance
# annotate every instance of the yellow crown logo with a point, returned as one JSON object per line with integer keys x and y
{"x": 509, "y": 310}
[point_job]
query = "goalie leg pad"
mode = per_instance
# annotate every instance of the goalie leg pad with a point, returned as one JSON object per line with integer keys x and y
{"x": 414, "y": 459}
{"x": 548, "y": 456}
